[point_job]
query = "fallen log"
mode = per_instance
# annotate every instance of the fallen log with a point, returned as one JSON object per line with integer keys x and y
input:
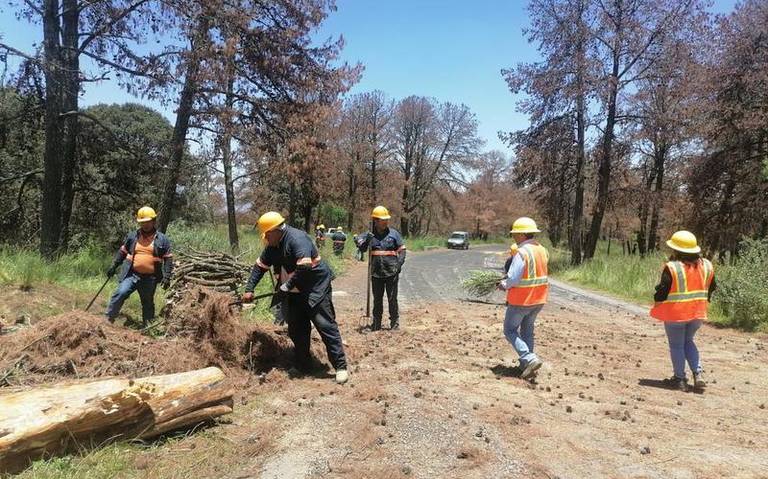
{"x": 55, "y": 420}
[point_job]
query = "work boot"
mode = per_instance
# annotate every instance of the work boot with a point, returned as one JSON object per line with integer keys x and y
{"x": 531, "y": 368}
{"x": 698, "y": 381}
{"x": 395, "y": 325}
{"x": 677, "y": 383}
{"x": 342, "y": 376}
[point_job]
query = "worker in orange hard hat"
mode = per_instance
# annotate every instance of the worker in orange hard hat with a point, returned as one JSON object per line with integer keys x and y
{"x": 682, "y": 299}
{"x": 305, "y": 280}
{"x": 387, "y": 258}
{"x": 146, "y": 260}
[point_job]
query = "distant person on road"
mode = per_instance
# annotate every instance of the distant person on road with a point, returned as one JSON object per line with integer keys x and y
{"x": 339, "y": 240}
{"x": 512, "y": 252}
{"x": 682, "y": 299}
{"x": 387, "y": 259}
{"x": 146, "y": 260}
{"x": 527, "y": 289}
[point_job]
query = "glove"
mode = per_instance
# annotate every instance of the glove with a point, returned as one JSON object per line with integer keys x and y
{"x": 165, "y": 283}
{"x": 284, "y": 288}
{"x": 112, "y": 270}
{"x": 247, "y": 297}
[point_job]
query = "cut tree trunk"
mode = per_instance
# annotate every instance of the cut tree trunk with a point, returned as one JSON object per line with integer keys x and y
{"x": 58, "y": 419}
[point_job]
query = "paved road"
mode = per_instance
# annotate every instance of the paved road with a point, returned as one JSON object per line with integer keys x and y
{"x": 436, "y": 276}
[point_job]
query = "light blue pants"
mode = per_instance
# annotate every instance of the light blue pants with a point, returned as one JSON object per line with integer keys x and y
{"x": 518, "y": 329}
{"x": 145, "y": 285}
{"x": 682, "y": 347}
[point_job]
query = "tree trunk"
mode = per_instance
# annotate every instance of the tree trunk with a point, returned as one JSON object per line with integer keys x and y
{"x": 179, "y": 138}
{"x": 658, "y": 197}
{"x": 604, "y": 170}
{"x": 70, "y": 91}
{"x": 225, "y": 145}
{"x": 292, "y": 200}
{"x": 50, "y": 216}
{"x": 54, "y": 420}
{"x": 581, "y": 127}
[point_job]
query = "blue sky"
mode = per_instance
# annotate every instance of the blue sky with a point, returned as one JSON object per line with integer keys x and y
{"x": 452, "y": 50}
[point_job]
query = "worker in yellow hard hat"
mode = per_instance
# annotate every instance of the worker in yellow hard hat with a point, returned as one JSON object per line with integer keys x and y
{"x": 527, "y": 286}
{"x": 387, "y": 254}
{"x": 146, "y": 260}
{"x": 513, "y": 248}
{"x": 320, "y": 236}
{"x": 682, "y": 299}
{"x": 305, "y": 283}
{"x": 339, "y": 240}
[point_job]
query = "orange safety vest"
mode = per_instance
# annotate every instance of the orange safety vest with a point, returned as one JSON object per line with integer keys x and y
{"x": 688, "y": 296}
{"x": 533, "y": 287}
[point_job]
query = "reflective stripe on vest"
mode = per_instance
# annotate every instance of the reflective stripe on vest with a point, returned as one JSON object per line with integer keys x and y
{"x": 533, "y": 287}
{"x": 688, "y": 296}
{"x": 380, "y": 252}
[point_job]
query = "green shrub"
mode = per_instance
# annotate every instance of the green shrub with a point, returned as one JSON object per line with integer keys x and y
{"x": 743, "y": 287}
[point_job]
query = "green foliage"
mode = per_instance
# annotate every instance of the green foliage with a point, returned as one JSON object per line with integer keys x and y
{"x": 743, "y": 287}
{"x": 332, "y": 215}
{"x": 481, "y": 283}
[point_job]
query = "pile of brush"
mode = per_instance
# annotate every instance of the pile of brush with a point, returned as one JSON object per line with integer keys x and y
{"x": 481, "y": 283}
{"x": 219, "y": 271}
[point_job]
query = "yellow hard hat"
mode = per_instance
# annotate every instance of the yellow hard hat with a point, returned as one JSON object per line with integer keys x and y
{"x": 339, "y": 228}
{"x": 513, "y": 249}
{"x": 269, "y": 221}
{"x": 524, "y": 225}
{"x": 380, "y": 213}
{"x": 320, "y": 227}
{"x": 145, "y": 214}
{"x": 684, "y": 242}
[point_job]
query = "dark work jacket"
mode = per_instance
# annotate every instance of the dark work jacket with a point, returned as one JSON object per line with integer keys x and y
{"x": 338, "y": 236}
{"x": 665, "y": 285}
{"x": 389, "y": 240}
{"x": 161, "y": 249}
{"x": 296, "y": 261}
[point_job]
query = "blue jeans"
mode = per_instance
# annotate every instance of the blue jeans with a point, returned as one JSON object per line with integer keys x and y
{"x": 518, "y": 329}
{"x": 682, "y": 347}
{"x": 145, "y": 285}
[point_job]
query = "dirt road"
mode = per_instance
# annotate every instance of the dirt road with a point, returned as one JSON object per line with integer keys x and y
{"x": 436, "y": 399}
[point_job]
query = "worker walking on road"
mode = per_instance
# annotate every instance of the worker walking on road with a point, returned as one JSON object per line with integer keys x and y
{"x": 146, "y": 260}
{"x": 306, "y": 280}
{"x": 527, "y": 288}
{"x": 682, "y": 298}
{"x": 387, "y": 258}
{"x": 339, "y": 240}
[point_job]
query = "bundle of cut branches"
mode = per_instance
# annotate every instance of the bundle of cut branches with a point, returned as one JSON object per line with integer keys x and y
{"x": 481, "y": 283}
{"x": 219, "y": 271}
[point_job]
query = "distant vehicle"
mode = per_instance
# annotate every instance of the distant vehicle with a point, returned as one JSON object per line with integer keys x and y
{"x": 458, "y": 240}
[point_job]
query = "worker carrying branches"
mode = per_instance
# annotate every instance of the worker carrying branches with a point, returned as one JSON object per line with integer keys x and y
{"x": 527, "y": 288}
{"x": 305, "y": 279}
{"x": 387, "y": 257}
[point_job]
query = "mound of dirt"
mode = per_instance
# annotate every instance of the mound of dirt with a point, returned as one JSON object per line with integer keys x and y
{"x": 78, "y": 344}
{"x": 202, "y": 330}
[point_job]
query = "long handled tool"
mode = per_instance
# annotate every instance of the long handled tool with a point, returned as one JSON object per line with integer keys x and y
{"x": 370, "y": 269}
{"x": 98, "y": 292}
